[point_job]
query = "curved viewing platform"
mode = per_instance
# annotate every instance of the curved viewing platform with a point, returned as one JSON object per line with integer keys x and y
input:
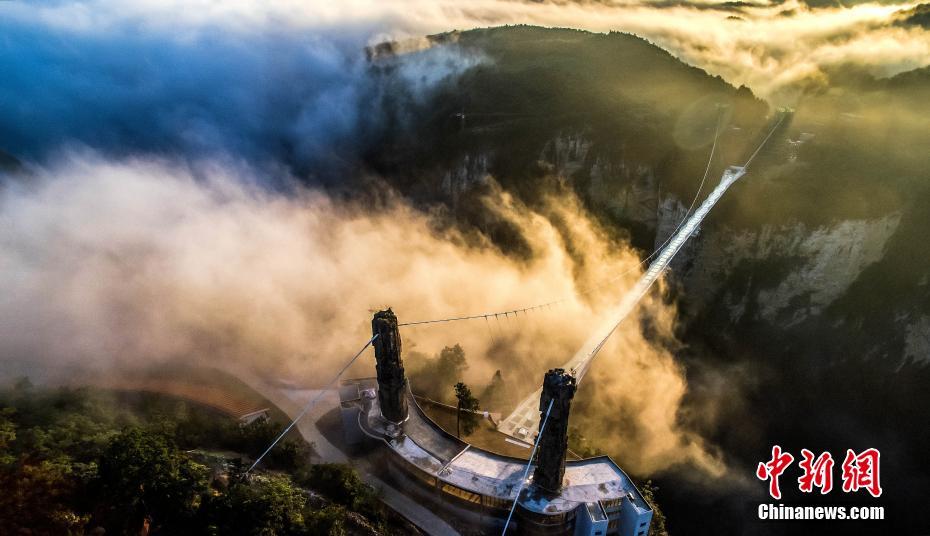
{"x": 478, "y": 479}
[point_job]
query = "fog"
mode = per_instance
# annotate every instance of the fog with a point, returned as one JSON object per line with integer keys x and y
{"x": 139, "y": 262}
{"x": 778, "y": 49}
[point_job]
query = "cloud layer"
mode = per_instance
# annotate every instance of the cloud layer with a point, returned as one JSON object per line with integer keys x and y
{"x": 109, "y": 264}
{"x": 135, "y": 78}
{"x": 768, "y": 46}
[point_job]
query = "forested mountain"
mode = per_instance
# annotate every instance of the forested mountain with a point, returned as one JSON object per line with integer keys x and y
{"x": 812, "y": 271}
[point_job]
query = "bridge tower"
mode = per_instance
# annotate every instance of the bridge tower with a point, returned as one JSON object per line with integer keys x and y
{"x": 392, "y": 382}
{"x": 559, "y": 387}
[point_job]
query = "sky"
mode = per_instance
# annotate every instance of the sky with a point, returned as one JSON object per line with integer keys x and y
{"x": 765, "y": 45}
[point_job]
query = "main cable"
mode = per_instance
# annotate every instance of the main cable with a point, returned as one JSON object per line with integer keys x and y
{"x": 697, "y": 194}
{"x": 684, "y": 218}
{"x": 312, "y": 402}
{"x": 764, "y": 141}
{"x": 526, "y": 471}
{"x": 603, "y": 341}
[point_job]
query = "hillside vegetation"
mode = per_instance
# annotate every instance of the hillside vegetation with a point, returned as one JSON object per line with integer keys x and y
{"x": 86, "y": 461}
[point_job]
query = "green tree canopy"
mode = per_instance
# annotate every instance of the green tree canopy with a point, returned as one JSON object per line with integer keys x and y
{"x": 657, "y": 528}
{"x": 264, "y": 505}
{"x": 467, "y": 419}
{"x": 495, "y": 396}
{"x": 451, "y": 363}
{"x": 143, "y": 474}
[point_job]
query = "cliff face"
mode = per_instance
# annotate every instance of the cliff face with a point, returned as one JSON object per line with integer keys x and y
{"x": 780, "y": 274}
{"x": 624, "y": 188}
{"x": 786, "y": 273}
{"x": 565, "y": 154}
{"x": 917, "y": 340}
{"x": 621, "y": 187}
{"x": 471, "y": 170}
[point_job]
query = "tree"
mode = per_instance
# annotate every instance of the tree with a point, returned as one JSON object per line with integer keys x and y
{"x": 253, "y": 438}
{"x": 7, "y": 435}
{"x": 447, "y": 368}
{"x": 494, "y": 394}
{"x": 657, "y": 528}
{"x": 330, "y": 520}
{"x": 342, "y": 485}
{"x": 22, "y": 385}
{"x": 66, "y": 469}
{"x": 451, "y": 363}
{"x": 261, "y": 505}
{"x": 40, "y": 498}
{"x": 466, "y": 418}
{"x": 339, "y": 482}
{"x": 580, "y": 445}
{"x": 143, "y": 475}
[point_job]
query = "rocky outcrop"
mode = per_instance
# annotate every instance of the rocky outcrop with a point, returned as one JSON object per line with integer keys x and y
{"x": 558, "y": 388}
{"x": 917, "y": 339}
{"x": 392, "y": 382}
{"x": 806, "y": 268}
{"x": 833, "y": 258}
{"x": 626, "y": 191}
{"x": 472, "y": 169}
{"x": 565, "y": 154}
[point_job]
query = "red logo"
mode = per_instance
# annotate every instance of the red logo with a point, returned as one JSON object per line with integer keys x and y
{"x": 817, "y": 472}
{"x": 860, "y": 471}
{"x": 772, "y": 469}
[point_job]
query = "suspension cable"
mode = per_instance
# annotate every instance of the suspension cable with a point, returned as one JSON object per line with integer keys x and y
{"x": 312, "y": 402}
{"x": 611, "y": 280}
{"x": 684, "y": 218}
{"x": 526, "y": 471}
{"x": 603, "y": 341}
{"x": 764, "y": 141}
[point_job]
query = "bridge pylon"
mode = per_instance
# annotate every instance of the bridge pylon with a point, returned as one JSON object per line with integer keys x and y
{"x": 559, "y": 388}
{"x": 392, "y": 381}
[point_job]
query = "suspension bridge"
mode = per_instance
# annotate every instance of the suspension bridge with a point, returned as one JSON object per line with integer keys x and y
{"x": 525, "y": 419}
{"x": 493, "y": 481}
{"x": 526, "y": 416}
